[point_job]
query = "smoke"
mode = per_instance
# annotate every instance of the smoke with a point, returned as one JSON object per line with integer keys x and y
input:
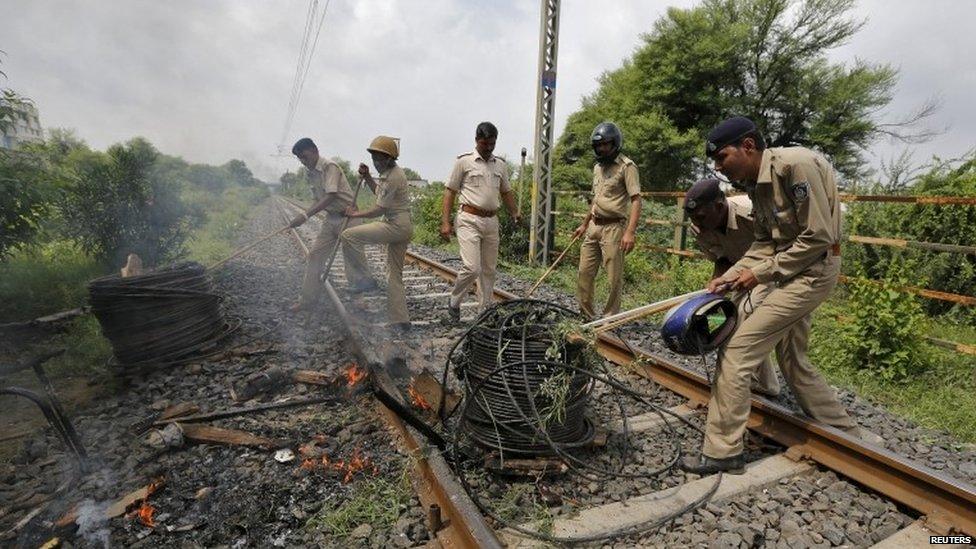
{"x": 92, "y": 524}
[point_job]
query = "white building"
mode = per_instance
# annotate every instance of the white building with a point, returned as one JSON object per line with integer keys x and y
{"x": 26, "y": 126}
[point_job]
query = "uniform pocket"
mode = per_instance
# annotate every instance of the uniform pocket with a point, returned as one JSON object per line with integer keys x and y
{"x": 475, "y": 181}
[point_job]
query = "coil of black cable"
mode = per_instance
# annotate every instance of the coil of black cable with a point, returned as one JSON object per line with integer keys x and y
{"x": 158, "y": 317}
{"x": 504, "y": 414}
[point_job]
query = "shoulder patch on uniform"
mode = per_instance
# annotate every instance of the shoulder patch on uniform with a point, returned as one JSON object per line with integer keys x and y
{"x": 462, "y": 155}
{"x": 800, "y": 190}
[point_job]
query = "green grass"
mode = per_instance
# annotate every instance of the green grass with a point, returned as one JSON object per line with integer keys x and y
{"x": 376, "y": 501}
{"x": 45, "y": 279}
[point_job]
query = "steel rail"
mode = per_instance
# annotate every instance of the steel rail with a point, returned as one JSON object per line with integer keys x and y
{"x": 433, "y": 480}
{"x": 949, "y": 504}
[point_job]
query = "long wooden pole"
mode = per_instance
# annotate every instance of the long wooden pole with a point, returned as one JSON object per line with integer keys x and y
{"x": 245, "y": 249}
{"x": 619, "y": 319}
{"x": 552, "y": 267}
{"x": 342, "y": 227}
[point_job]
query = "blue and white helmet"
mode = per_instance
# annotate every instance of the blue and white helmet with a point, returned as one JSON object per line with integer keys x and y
{"x": 699, "y": 325}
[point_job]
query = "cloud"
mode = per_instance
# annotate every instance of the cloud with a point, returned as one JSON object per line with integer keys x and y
{"x": 210, "y": 81}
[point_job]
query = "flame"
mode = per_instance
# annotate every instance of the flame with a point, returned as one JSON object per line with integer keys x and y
{"x": 354, "y": 374}
{"x": 418, "y": 400}
{"x": 145, "y": 514}
{"x": 347, "y": 468}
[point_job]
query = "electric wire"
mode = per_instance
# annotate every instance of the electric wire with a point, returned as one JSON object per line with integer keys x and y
{"x": 160, "y": 318}
{"x": 502, "y": 361}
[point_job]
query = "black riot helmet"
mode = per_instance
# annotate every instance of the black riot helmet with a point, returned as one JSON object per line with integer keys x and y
{"x": 607, "y": 131}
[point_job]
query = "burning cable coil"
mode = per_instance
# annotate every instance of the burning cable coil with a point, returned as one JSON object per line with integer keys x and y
{"x": 159, "y": 317}
{"x": 521, "y": 401}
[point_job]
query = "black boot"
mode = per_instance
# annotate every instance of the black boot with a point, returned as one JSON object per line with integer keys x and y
{"x": 704, "y": 465}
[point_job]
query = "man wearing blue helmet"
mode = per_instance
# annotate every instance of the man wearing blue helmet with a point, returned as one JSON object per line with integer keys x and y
{"x": 797, "y": 252}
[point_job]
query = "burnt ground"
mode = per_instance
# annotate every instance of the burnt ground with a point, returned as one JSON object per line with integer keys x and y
{"x": 241, "y": 496}
{"x": 229, "y": 495}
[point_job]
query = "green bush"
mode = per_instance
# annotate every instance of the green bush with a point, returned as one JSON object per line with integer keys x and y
{"x": 24, "y": 198}
{"x": 116, "y": 207}
{"x": 884, "y": 335}
{"x": 426, "y": 214}
{"x": 45, "y": 279}
{"x": 948, "y": 272}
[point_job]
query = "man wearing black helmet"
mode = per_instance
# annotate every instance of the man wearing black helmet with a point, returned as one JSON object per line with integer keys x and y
{"x": 797, "y": 252}
{"x": 611, "y": 224}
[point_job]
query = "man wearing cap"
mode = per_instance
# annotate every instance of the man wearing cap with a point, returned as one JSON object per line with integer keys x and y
{"x": 394, "y": 230}
{"x": 332, "y": 195}
{"x": 796, "y": 251}
{"x": 723, "y": 229}
{"x": 611, "y": 224}
{"x": 479, "y": 178}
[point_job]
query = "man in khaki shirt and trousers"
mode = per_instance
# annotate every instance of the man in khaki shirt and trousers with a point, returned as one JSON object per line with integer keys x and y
{"x": 797, "y": 251}
{"x": 478, "y": 178}
{"x": 723, "y": 229}
{"x": 611, "y": 223}
{"x": 396, "y": 228}
{"x": 333, "y": 195}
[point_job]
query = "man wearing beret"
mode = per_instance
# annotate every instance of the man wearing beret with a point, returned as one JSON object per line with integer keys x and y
{"x": 797, "y": 252}
{"x": 723, "y": 229}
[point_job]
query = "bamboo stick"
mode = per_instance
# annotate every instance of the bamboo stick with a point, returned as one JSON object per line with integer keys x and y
{"x": 553, "y": 266}
{"x": 245, "y": 249}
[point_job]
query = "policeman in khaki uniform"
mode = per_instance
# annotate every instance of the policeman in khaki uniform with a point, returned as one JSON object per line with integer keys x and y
{"x": 797, "y": 252}
{"x": 478, "y": 178}
{"x": 611, "y": 223}
{"x": 723, "y": 229}
{"x": 333, "y": 195}
{"x": 396, "y": 228}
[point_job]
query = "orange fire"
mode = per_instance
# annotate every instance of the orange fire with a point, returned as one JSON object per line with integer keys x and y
{"x": 418, "y": 399}
{"x": 348, "y": 470}
{"x": 145, "y": 514}
{"x": 354, "y": 374}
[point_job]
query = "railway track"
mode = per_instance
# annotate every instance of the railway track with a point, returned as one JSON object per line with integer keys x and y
{"x": 939, "y": 504}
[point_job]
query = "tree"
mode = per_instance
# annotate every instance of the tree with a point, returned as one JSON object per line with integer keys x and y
{"x": 116, "y": 207}
{"x": 765, "y": 59}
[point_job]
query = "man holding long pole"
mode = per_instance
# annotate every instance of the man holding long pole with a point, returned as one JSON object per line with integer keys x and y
{"x": 332, "y": 195}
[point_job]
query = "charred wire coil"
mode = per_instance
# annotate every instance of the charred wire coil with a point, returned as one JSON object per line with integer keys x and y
{"x": 512, "y": 405}
{"x": 506, "y": 363}
{"x": 159, "y": 317}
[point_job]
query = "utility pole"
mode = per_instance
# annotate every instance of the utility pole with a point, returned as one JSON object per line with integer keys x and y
{"x": 541, "y": 227}
{"x": 521, "y": 187}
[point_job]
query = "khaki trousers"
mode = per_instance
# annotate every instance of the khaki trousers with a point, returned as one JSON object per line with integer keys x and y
{"x": 353, "y": 256}
{"x": 784, "y": 316}
{"x": 601, "y": 245}
{"x": 395, "y": 231}
{"x": 478, "y": 243}
{"x": 765, "y": 377}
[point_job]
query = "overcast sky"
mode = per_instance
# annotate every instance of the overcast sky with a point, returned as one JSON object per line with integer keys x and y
{"x": 210, "y": 80}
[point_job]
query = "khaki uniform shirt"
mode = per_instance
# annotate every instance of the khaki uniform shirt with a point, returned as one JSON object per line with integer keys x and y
{"x": 797, "y": 210}
{"x": 327, "y": 177}
{"x": 392, "y": 191}
{"x": 479, "y": 182}
{"x": 613, "y": 186}
{"x": 732, "y": 243}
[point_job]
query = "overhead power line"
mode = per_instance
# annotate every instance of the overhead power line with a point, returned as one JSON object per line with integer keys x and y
{"x": 313, "y": 22}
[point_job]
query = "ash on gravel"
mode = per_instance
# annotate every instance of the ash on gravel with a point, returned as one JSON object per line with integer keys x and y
{"x": 231, "y": 495}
